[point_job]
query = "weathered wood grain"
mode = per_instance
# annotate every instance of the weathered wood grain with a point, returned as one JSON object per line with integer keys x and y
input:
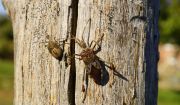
{"x": 127, "y": 26}
{"x": 130, "y": 42}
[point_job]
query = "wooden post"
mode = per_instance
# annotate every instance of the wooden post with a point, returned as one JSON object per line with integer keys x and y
{"x": 130, "y": 43}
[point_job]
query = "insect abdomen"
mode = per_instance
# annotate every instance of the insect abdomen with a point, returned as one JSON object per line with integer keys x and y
{"x": 55, "y": 50}
{"x": 57, "y": 53}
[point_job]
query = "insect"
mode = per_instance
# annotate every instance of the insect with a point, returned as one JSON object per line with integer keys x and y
{"x": 91, "y": 61}
{"x": 55, "y": 48}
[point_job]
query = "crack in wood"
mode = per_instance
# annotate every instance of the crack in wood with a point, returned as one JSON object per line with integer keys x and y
{"x": 73, "y": 12}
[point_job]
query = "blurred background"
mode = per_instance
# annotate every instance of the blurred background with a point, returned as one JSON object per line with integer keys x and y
{"x": 6, "y": 59}
{"x": 169, "y": 48}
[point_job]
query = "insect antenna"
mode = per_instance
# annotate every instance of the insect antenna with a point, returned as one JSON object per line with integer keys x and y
{"x": 86, "y": 26}
{"x": 89, "y": 21}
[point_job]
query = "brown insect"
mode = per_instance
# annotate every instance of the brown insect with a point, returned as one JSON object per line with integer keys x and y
{"x": 56, "y": 49}
{"x": 91, "y": 61}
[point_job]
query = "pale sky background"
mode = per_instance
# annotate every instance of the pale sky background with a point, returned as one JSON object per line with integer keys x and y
{"x": 2, "y": 10}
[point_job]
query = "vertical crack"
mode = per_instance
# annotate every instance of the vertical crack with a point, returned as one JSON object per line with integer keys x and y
{"x": 22, "y": 74}
{"x": 73, "y": 10}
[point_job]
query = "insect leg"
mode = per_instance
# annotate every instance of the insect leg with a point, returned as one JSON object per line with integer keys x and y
{"x": 85, "y": 80}
{"x": 110, "y": 65}
{"x": 74, "y": 55}
{"x": 81, "y": 43}
{"x": 97, "y": 42}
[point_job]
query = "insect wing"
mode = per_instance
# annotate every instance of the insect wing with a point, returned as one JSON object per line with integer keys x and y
{"x": 96, "y": 72}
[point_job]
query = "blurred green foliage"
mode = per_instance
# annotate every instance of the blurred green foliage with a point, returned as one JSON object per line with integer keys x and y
{"x": 6, "y": 38}
{"x": 6, "y": 82}
{"x": 168, "y": 97}
{"x": 169, "y": 21}
{"x": 6, "y": 61}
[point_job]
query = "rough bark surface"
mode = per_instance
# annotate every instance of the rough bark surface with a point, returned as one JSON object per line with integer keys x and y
{"x": 130, "y": 42}
{"x": 40, "y": 79}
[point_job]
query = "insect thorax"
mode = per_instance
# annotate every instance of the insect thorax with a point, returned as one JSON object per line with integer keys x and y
{"x": 88, "y": 56}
